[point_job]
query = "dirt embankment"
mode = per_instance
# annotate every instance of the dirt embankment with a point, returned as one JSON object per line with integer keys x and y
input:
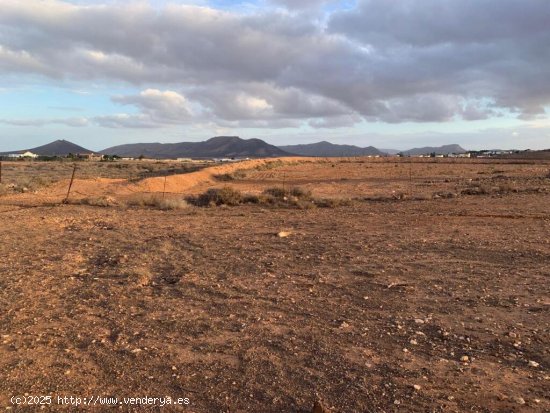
{"x": 178, "y": 183}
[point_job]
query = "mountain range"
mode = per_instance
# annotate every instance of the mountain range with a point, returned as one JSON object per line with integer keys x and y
{"x": 230, "y": 147}
{"x": 438, "y": 150}
{"x": 218, "y": 147}
{"x": 327, "y": 149}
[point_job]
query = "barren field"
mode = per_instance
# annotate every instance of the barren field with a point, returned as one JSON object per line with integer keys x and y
{"x": 427, "y": 290}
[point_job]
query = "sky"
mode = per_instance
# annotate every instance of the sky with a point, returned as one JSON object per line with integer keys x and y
{"x": 394, "y": 74}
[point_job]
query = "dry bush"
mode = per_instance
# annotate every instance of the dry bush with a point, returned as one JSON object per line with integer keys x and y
{"x": 477, "y": 189}
{"x": 281, "y": 193}
{"x": 251, "y": 199}
{"x": 332, "y": 202}
{"x": 238, "y": 174}
{"x": 102, "y": 201}
{"x": 275, "y": 197}
{"x": 270, "y": 165}
{"x": 507, "y": 187}
{"x": 158, "y": 202}
{"x": 224, "y": 177}
{"x": 444, "y": 195}
{"x": 217, "y": 196}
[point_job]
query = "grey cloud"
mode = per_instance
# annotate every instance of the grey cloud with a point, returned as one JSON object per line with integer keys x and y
{"x": 124, "y": 120}
{"x": 390, "y": 61}
{"x": 260, "y": 100}
{"x": 301, "y": 4}
{"x": 430, "y": 22}
{"x": 159, "y": 106}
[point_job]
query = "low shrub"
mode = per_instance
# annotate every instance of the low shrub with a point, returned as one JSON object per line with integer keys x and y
{"x": 332, "y": 202}
{"x": 478, "y": 189}
{"x": 274, "y": 197}
{"x": 280, "y": 193}
{"x": 156, "y": 201}
{"x": 239, "y": 174}
{"x": 102, "y": 201}
{"x": 218, "y": 196}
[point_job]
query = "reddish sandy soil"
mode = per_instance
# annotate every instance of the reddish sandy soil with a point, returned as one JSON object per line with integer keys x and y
{"x": 412, "y": 305}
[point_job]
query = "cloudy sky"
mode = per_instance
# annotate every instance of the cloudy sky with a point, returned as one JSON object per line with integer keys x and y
{"x": 388, "y": 73}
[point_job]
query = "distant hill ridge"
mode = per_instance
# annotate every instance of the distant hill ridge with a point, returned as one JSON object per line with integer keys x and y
{"x": 328, "y": 149}
{"x": 231, "y": 147}
{"x": 60, "y": 147}
{"x": 438, "y": 150}
{"x": 218, "y": 147}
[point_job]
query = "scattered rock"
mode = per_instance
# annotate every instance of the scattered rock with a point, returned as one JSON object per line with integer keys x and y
{"x": 417, "y": 387}
{"x": 533, "y": 364}
{"x": 519, "y": 400}
{"x": 283, "y": 234}
{"x": 465, "y": 359}
{"x": 318, "y": 407}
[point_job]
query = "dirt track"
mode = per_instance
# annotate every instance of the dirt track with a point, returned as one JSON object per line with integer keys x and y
{"x": 356, "y": 307}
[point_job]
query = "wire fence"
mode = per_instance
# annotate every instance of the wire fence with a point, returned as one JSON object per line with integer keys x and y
{"x": 47, "y": 178}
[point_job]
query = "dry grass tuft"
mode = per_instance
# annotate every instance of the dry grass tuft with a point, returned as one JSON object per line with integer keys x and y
{"x": 158, "y": 202}
{"x": 234, "y": 176}
{"x": 102, "y": 201}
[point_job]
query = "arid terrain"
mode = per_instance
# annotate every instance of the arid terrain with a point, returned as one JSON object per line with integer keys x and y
{"x": 392, "y": 285}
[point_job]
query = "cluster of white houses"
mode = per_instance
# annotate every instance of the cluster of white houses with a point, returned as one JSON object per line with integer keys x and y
{"x": 31, "y": 155}
{"x": 27, "y": 154}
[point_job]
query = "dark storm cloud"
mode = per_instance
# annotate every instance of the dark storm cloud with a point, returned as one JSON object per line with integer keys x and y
{"x": 390, "y": 61}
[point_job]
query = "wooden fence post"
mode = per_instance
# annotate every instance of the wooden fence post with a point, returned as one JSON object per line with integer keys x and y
{"x": 70, "y": 185}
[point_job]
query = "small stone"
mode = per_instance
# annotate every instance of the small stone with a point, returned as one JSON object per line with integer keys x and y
{"x": 519, "y": 400}
{"x": 396, "y": 402}
{"x": 318, "y": 407}
{"x": 418, "y": 321}
{"x": 413, "y": 342}
{"x": 533, "y": 364}
{"x": 344, "y": 325}
{"x": 464, "y": 359}
{"x": 417, "y": 387}
{"x": 283, "y": 234}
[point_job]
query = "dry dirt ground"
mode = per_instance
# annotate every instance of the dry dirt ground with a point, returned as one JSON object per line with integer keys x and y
{"x": 420, "y": 303}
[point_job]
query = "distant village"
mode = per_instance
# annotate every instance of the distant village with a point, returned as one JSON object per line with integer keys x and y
{"x": 28, "y": 155}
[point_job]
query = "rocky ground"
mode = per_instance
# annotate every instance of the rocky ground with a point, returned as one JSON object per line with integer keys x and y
{"x": 379, "y": 306}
